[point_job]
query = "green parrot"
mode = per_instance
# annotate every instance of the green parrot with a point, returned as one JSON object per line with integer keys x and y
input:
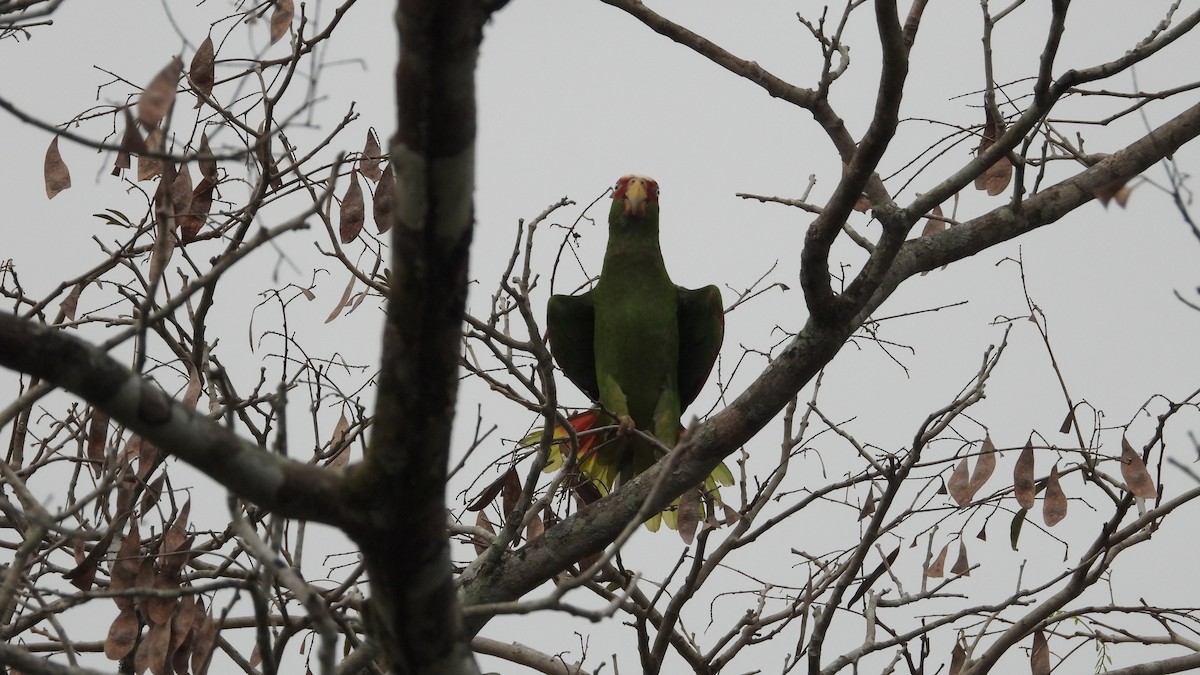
{"x": 638, "y": 345}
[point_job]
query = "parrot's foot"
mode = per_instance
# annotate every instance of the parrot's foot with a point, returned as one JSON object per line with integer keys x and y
{"x": 625, "y": 425}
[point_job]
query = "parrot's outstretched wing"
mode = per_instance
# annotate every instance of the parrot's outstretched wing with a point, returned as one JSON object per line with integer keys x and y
{"x": 701, "y": 330}
{"x": 571, "y": 329}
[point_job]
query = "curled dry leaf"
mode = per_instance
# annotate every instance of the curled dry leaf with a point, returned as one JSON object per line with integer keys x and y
{"x": 482, "y": 522}
{"x": 1054, "y": 501}
{"x": 510, "y": 492}
{"x": 202, "y": 72}
{"x": 868, "y": 506}
{"x": 281, "y": 19}
{"x": 937, "y": 568}
{"x": 1133, "y": 470}
{"x": 71, "y": 303}
{"x": 959, "y": 485}
{"x": 342, "y": 302}
{"x": 385, "y": 197}
{"x": 132, "y": 143}
{"x": 84, "y": 573}
{"x": 1023, "y": 477}
{"x": 159, "y": 95}
{"x": 368, "y": 164}
{"x": 962, "y": 566}
{"x": 1068, "y": 421}
{"x": 352, "y": 212}
{"x": 1039, "y": 657}
{"x": 54, "y": 170}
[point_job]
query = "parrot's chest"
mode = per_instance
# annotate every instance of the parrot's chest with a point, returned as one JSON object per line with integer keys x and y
{"x": 637, "y": 342}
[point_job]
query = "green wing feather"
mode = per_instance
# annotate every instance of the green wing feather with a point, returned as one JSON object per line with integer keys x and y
{"x": 701, "y": 330}
{"x": 570, "y": 328}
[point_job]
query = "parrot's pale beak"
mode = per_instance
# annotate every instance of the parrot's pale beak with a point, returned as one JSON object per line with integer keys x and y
{"x": 635, "y": 198}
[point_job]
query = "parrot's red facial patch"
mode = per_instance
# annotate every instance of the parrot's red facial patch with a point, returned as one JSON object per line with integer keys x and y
{"x": 636, "y": 191}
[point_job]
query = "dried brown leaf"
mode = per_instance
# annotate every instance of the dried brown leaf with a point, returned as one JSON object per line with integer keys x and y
{"x": 55, "y": 171}
{"x": 191, "y": 395}
{"x": 959, "y": 485}
{"x": 510, "y": 494}
{"x": 535, "y": 528}
{"x": 352, "y": 212}
{"x": 181, "y": 191}
{"x": 181, "y": 624}
{"x": 131, "y": 144}
{"x": 868, "y": 506}
{"x": 368, "y": 164}
{"x": 158, "y": 647}
{"x": 203, "y": 72}
{"x": 97, "y": 438}
{"x": 481, "y": 544}
{"x": 70, "y": 304}
{"x": 341, "y": 456}
{"x": 1023, "y": 477}
{"x": 341, "y": 303}
{"x": 1039, "y": 657}
{"x": 687, "y": 519}
{"x": 1068, "y": 421}
{"x": 152, "y": 492}
{"x": 281, "y": 19}
{"x": 984, "y": 466}
{"x": 1116, "y": 191}
{"x": 191, "y": 222}
{"x": 937, "y": 568}
{"x": 935, "y": 223}
{"x": 205, "y": 161}
{"x": 83, "y": 575}
{"x": 958, "y": 657}
{"x": 149, "y": 167}
{"x": 1133, "y": 470}
{"x": 962, "y": 566}
{"x": 1054, "y": 501}
{"x": 122, "y": 634}
{"x": 159, "y": 95}
{"x": 997, "y": 177}
{"x": 488, "y": 494}
{"x": 148, "y": 458}
{"x": 161, "y": 607}
{"x": 204, "y": 639}
{"x": 385, "y": 198}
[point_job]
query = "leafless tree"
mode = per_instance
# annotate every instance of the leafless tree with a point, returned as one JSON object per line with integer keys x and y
{"x": 117, "y": 358}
